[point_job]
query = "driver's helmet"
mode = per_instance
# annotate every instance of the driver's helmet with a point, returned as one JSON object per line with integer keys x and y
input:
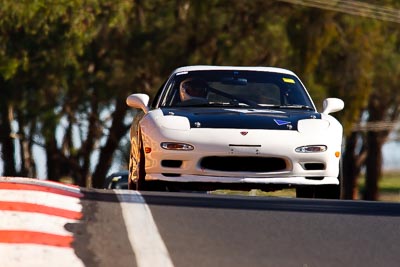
{"x": 192, "y": 88}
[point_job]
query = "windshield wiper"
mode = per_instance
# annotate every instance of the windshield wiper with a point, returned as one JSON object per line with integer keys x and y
{"x": 295, "y": 107}
{"x": 194, "y": 105}
{"x": 233, "y": 103}
{"x": 215, "y": 104}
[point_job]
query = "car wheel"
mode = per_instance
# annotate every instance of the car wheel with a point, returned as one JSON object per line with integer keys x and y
{"x": 140, "y": 171}
{"x": 137, "y": 173}
{"x": 132, "y": 176}
{"x": 140, "y": 181}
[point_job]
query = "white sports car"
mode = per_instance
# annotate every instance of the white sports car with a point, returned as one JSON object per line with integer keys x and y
{"x": 215, "y": 127}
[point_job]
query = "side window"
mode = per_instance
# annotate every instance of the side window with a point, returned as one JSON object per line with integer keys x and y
{"x": 166, "y": 95}
{"x": 157, "y": 97}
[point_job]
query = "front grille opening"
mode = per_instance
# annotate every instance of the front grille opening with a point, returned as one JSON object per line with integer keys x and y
{"x": 317, "y": 178}
{"x": 243, "y": 164}
{"x": 314, "y": 166}
{"x": 171, "y": 163}
{"x": 171, "y": 174}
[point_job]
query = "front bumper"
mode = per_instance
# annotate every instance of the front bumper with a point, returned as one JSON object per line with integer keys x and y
{"x": 294, "y": 168}
{"x": 245, "y": 180}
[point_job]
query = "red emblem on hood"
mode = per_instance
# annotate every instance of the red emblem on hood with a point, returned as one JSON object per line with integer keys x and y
{"x": 244, "y": 133}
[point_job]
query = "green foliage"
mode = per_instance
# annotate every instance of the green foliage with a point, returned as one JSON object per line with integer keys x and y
{"x": 66, "y": 63}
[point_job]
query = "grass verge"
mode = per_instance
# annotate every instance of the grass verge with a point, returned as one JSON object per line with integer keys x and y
{"x": 389, "y": 189}
{"x": 389, "y": 186}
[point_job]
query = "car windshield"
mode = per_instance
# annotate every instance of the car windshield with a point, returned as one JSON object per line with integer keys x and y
{"x": 227, "y": 88}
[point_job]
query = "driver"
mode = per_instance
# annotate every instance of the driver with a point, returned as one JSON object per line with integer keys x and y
{"x": 192, "y": 88}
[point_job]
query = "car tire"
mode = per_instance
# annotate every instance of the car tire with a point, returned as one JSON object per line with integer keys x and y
{"x": 137, "y": 173}
{"x": 328, "y": 191}
{"x": 319, "y": 191}
{"x": 131, "y": 177}
{"x": 305, "y": 192}
{"x": 137, "y": 168}
{"x": 141, "y": 184}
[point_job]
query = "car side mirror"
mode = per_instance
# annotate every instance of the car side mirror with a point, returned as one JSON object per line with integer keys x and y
{"x": 139, "y": 101}
{"x": 331, "y": 105}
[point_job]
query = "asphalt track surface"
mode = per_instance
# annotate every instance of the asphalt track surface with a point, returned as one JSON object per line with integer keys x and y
{"x": 214, "y": 230}
{"x": 125, "y": 228}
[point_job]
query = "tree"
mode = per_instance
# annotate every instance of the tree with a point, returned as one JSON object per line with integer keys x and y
{"x": 66, "y": 68}
{"x": 383, "y": 105}
{"x": 39, "y": 41}
{"x": 353, "y": 83}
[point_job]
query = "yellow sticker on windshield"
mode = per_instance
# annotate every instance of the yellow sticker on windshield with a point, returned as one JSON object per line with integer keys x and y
{"x": 116, "y": 179}
{"x": 288, "y": 80}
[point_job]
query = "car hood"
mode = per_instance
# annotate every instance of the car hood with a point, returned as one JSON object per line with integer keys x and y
{"x": 273, "y": 119}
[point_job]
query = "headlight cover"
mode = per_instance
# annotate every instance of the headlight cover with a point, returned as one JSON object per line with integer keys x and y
{"x": 311, "y": 149}
{"x": 176, "y": 146}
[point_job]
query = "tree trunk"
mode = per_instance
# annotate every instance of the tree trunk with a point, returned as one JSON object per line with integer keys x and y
{"x": 373, "y": 165}
{"x": 6, "y": 140}
{"x": 117, "y": 131}
{"x": 376, "y": 139}
{"x": 94, "y": 133}
{"x": 350, "y": 170}
{"x": 28, "y": 167}
{"x": 52, "y": 155}
{"x": 27, "y": 164}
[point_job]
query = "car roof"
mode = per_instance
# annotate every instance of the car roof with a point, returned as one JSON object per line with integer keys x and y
{"x": 240, "y": 68}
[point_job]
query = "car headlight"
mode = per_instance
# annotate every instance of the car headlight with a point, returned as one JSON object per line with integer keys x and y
{"x": 176, "y": 146}
{"x": 311, "y": 149}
